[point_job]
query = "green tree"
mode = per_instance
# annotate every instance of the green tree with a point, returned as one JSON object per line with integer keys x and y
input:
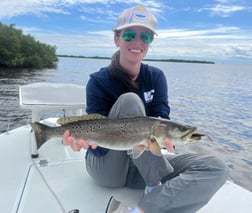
{"x": 19, "y": 50}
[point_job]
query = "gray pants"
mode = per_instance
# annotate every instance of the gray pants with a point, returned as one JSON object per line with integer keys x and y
{"x": 188, "y": 180}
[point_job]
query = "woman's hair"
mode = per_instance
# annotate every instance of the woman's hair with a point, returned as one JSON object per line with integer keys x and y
{"x": 117, "y": 72}
{"x": 117, "y": 33}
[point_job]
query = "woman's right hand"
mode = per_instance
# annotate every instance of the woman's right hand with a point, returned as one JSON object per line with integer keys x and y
{"x": 76, "y": 146}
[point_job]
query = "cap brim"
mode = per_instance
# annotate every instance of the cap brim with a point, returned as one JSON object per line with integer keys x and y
{"x": 135, "y": 25}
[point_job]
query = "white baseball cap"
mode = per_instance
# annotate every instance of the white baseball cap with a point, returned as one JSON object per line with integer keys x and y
{"x": 136, "y": 16}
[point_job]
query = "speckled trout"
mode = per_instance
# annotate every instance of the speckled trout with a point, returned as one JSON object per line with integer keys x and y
{"x": 127, "y": 133}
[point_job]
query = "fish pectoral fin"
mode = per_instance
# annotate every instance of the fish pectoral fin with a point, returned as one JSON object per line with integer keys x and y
{"x": 137, "y": 151}
{"x": 154, "y": 146}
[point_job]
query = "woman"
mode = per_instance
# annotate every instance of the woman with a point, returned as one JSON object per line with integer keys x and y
{"x": 173, "y": 183}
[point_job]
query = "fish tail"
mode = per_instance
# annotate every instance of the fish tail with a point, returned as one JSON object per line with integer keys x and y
{"x": 40, "y": 133}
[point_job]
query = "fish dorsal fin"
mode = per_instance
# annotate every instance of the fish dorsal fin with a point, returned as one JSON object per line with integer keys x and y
{"x": 71, "y": 119}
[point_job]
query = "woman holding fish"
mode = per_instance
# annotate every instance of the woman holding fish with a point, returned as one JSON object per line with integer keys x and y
{"x": 180, "y": 183}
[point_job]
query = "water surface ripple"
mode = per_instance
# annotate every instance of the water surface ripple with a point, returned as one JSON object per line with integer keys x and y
{"x": 215, "y": 98}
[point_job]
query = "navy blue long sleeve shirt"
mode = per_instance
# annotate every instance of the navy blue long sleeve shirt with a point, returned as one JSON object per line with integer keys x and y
{"x": 102, "y": 91}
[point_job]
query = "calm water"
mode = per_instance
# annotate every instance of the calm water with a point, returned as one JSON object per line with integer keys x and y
{"x": 215, "y": 98}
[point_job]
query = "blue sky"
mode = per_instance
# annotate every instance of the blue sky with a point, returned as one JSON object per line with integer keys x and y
{"x": 215, "y": 30}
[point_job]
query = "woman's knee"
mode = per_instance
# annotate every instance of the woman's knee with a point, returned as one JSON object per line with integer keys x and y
{"x": 217, "y": 167}
{"x": 130, "y": 98}
{"x": 128, "y": 104}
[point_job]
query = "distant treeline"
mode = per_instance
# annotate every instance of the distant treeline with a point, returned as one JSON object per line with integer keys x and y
{"x": 23, "y": 51}
{"x": 181, "y": 61}
{"x": 163, "y": 60}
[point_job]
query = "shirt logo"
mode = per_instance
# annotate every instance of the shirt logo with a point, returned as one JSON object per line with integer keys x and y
{"x": 148, "y": 96}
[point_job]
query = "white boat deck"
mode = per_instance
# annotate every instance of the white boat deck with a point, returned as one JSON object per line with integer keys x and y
{"x": 24, "y": 190}
{"x": 57, "y": 181}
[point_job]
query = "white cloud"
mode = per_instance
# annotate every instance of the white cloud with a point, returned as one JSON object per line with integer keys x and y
{"x": 10, "y": 8}
{"x": 89, "y": 44}
{"x": 14, "y": 7}
{"x": 225, "y": 10}
{"x": 220, "y": 43}
{"x": 188, "y": 33}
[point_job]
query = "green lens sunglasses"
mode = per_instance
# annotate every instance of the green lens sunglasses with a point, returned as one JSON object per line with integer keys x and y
{"x": 130, "y": 35}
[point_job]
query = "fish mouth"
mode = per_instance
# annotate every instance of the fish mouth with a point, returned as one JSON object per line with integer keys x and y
{"x": 189, "y": 136}
{"x": 192, "y": 136}
{"x": 197, "y": 136}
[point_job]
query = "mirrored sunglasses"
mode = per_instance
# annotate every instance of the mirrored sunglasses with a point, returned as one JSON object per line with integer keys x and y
{"x": 130, "y": 35}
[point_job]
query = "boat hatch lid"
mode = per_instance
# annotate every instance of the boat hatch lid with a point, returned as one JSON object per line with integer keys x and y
{"x": 52, "y": 96}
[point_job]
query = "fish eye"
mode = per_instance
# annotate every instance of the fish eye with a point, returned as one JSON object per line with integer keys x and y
{"x": 183, "y": 128}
